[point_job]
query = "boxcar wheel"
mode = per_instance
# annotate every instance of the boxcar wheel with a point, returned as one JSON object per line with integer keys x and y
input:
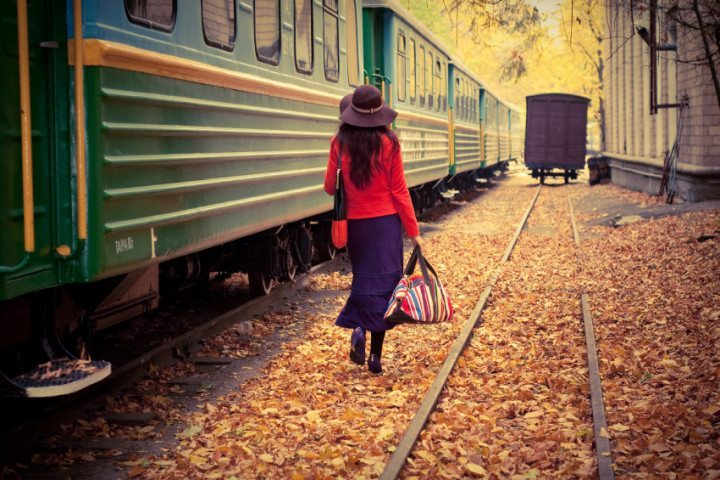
{"x": 260, "y": 282}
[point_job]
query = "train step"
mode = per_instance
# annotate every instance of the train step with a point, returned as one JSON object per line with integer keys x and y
{"x": 60, "y": 377}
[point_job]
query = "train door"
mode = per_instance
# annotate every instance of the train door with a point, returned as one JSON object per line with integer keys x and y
{"x": 26, "y": 256}
{"x": 373, "y": 45}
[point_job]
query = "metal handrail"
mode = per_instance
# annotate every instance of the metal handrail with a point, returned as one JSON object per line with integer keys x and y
{"x": 25, "y": 140}
{"x": 80, "y": 122}
{"x": 26, "y": 128}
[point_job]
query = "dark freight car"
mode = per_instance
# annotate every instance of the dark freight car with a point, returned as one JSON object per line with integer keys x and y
{"x": 555, "y": 132}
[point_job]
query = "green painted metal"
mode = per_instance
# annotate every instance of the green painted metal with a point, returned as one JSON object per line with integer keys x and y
{"x": 178, "y": 167}
{"x": 424, "y": 142}
{"x": 51, "y": 162}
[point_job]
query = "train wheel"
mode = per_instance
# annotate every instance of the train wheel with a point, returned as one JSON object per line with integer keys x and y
{"x": 291, "y": 266}
{"x": 260, "y": 282}
{"x": 325, "y": 251}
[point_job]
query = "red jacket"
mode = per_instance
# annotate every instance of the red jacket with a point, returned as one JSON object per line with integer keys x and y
{"x": 386, "y": 194}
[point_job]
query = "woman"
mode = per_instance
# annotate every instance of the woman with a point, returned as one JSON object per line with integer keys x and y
{"x": 378, "y": 207}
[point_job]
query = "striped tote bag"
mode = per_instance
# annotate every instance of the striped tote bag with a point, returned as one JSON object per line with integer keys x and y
{"x": 419, "y": 297}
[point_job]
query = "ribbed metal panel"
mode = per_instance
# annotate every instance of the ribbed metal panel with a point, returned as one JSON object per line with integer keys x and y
{"x": 179, "y": 167}
{"x": 425, "y": 151}
{"x": 491, "y": 148}
{"x": 467, "y": 149}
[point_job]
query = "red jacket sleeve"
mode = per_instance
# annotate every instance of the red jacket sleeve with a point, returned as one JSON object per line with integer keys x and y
{"x": 331, "y": 170}
{"x": 401, "y": 196}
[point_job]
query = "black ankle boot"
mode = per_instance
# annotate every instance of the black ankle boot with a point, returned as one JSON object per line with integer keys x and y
{"x": 374, "y": 364}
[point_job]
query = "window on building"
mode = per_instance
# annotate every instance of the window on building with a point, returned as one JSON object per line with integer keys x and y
{"x": 267, "y": 31}
{"x": 430, "y": 82}
{"x": 304, "y": 58}
{"x": 423, "y": 89}
{"x": 158, "y": 14}
{"x": 413, "y": 69}
{"x": 218, "y": 22}
{"x": 330, "y": 40}
{"x": 401, "y": 83}
{"x": 352, "y": 44}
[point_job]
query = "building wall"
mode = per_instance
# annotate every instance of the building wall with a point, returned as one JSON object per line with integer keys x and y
{"x": 637, "y": 142}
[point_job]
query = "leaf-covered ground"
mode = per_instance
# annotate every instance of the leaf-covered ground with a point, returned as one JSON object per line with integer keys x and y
{"x": 655, "y": 292}
{"x": 312, "y": 413}
{"x": 517, "y": 404}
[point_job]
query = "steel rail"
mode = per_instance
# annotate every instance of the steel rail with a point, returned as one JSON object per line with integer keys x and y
{"x": 602, "y": 442}
{"x": 412, "y": 433}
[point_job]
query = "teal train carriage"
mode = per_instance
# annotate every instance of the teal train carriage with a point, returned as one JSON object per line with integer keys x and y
{"x": 149, "y": 140}
{"x": 517, "y": 134}
{"x": 147, "y": 143}
{"x": 466, "y": 159}
{"x": 410, "y": 65}
{"x": 490, "y": 125}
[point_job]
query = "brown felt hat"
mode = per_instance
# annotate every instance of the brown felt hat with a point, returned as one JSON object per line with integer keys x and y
{"x": 345, "y": 102}
{"x": 368, "y": 109}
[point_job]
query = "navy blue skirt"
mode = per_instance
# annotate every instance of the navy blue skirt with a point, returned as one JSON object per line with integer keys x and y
{"x": 375, "y": 247}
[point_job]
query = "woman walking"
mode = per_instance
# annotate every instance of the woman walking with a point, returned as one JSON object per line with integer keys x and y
{"x": 378, "y": 207}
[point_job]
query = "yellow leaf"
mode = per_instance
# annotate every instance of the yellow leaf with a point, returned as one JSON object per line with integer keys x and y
{"x": 534, "y": 414}
{"x": 604, "y": 433}
{"x": 475, "y": 468}
{"x": 620, "y": 427}
{"x": 427, "y": 455}
{"x": 313, "y": 416}
{"x": 712, "y": 410}
{"x": 385, "y": 433}
{"x": 266, "y": 457}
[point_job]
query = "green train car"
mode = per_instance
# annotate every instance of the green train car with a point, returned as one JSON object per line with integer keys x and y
{"x": 148, "y": 143}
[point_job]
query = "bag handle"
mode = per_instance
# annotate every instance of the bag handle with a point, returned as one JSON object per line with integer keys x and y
{"x": 425, "y": 267}
{"x": 338, "y": 173}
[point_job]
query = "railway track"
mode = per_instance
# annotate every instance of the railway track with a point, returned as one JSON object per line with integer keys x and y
{"x": 603, "y": 455}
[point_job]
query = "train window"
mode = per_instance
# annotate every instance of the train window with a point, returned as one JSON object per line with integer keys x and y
{"x": 157, "y": 14}
{"x": 267, "y": 31}
{"x": 443, "y": 87}
{"x": 437, "y": 85}
{"x": 429, "y": 77}
{"x": 413, "y": 77}
{"x": 458, "y": 98}
{"x": 330, "y": 40}
{"x": 423, "y": 90}
{"x": 218, "y": 22}
{"x": 304, "y": 58}
{"x": 352, "y": 43}
{"x": 401, "y": 80}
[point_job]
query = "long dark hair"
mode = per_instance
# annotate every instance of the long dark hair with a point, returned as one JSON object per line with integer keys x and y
{"x": 364, "y": 146}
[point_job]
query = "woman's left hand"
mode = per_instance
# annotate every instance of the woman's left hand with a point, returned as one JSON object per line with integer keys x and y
{"x": 418, "y": 242}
